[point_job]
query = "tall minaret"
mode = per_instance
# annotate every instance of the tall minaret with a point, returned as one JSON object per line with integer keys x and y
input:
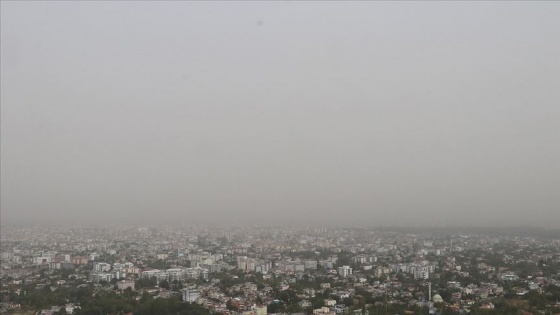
{"x": 429, "y": 291}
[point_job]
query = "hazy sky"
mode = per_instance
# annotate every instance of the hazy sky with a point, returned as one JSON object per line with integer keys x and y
{"x": 371, "y": 112}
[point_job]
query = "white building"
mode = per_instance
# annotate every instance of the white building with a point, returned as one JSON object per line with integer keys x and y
{"x": 344, "y": 271}
{"x": 323, "y": 311}
{"x": 178, "y": 274}
{"x": 101, "y": 267}
{"x": 70, "y": 308}
{"x": 101, "y": 276}
{"x": 190, "y": 295}
{"x": 329, "y": 302}
{"x": 160, "y": 275}
{"x": 310, "y": 264}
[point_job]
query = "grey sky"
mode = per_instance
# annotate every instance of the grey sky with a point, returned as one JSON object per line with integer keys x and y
{"x": 371, "y": 112}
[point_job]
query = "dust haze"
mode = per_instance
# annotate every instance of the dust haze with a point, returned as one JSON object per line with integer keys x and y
{"x": 379, "y": 113}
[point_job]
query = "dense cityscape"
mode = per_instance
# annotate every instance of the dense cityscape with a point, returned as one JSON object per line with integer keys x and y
{"x": 263, "y": 270}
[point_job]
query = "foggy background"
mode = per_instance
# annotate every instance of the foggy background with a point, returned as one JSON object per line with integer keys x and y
{"x": 405, "y": 113}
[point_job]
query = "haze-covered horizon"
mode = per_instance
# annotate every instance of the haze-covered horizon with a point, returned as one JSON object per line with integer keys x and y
{"x": 370, "y": 113}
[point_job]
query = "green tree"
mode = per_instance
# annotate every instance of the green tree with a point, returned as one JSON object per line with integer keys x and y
{"x": 164, "y": 284}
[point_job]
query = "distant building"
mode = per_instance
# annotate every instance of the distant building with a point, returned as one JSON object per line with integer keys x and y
{"x": 124, "y": 284}
{"x": 190, "y": 295}
{"x": 80, "y": 260}
{"x": 178, "y": 274}
{"x": 329, "y": 302}
{"x": 261, "y": 310}
{"x": 323, "y": 311}
{"x": 344, "y": 271}
{"x": 101, "y": 276}
{"x": 310, "y": 264}
{"x": 509, "y": 277}
{"x": 70, "y": 308}
{"x": 101, "y": 266}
